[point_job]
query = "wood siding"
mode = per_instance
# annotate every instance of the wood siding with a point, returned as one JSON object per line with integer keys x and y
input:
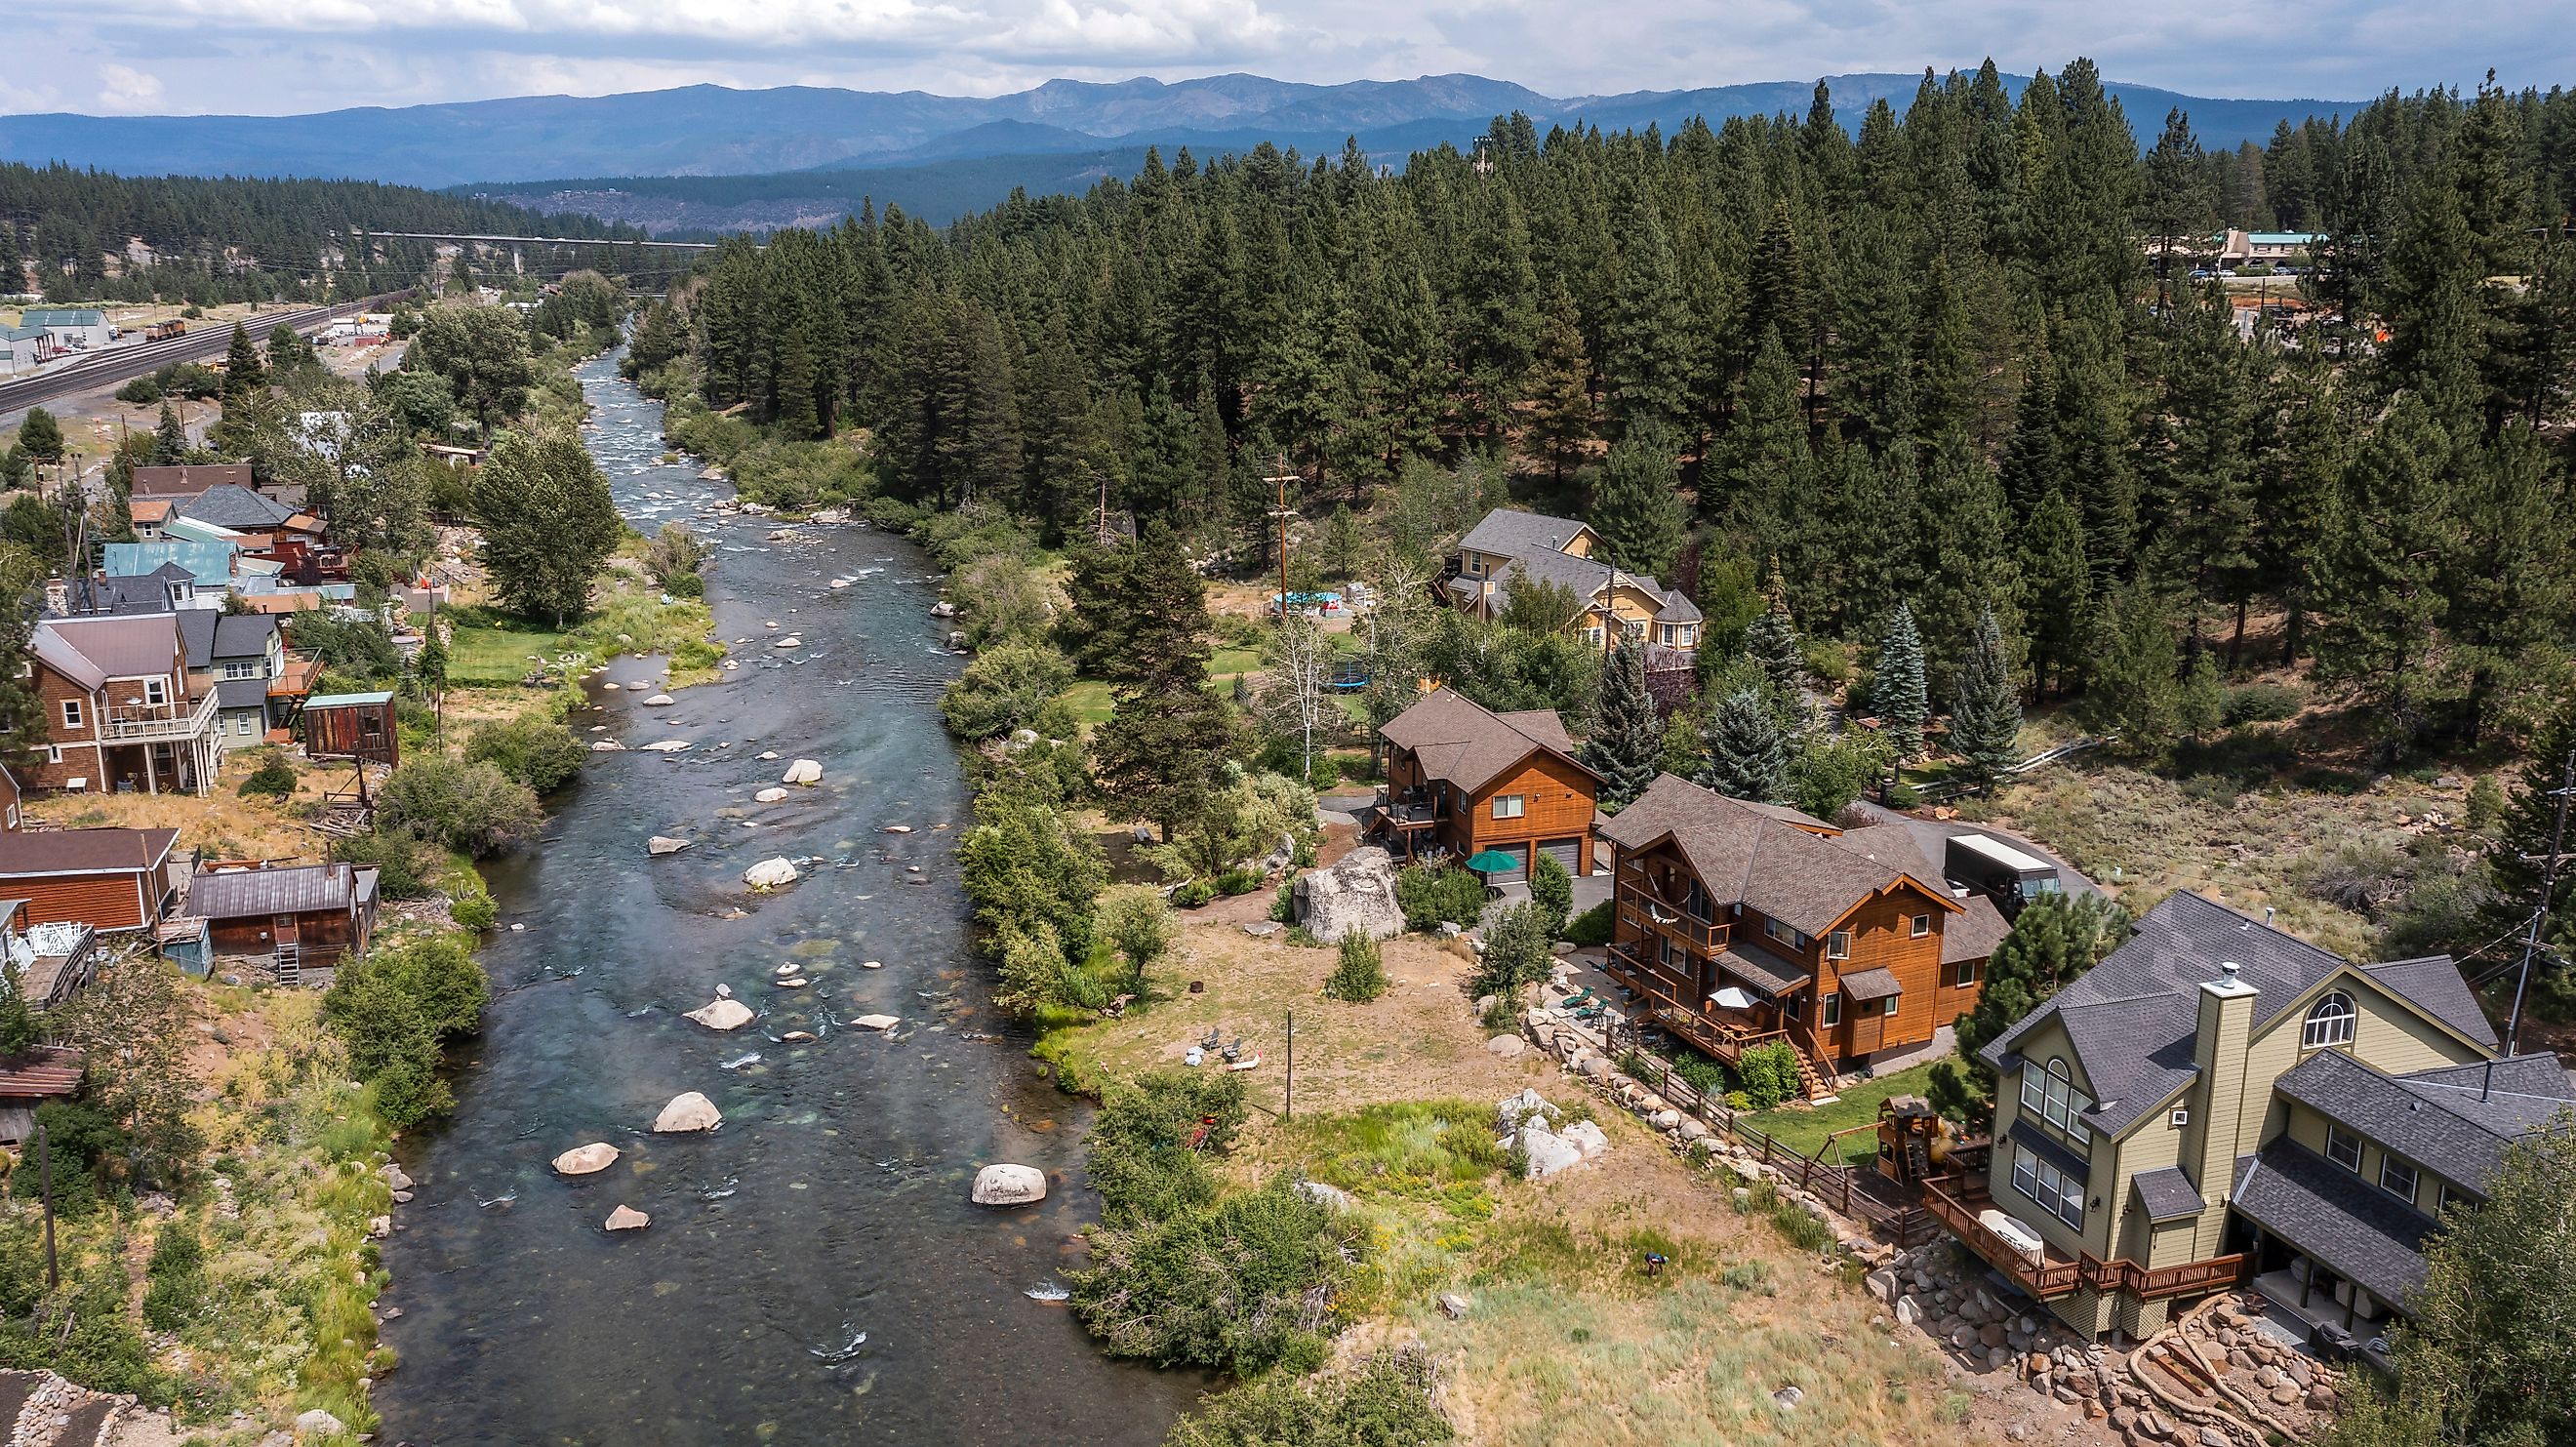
{"x": 323, "y": 936}
{"x": 104, "y": 901}
{"x": 1882, "y": 938}
{"x": 1558, "y": 803}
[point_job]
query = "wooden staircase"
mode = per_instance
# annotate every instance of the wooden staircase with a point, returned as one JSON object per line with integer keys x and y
{"x": 289, "y": 962}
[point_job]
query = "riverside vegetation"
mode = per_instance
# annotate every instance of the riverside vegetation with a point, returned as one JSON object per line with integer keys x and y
{"x": 218, "y": 1176}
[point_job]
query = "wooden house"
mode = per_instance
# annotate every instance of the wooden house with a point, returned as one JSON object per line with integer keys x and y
{"x": 1509, "y": 547}
{"x": 1745, "y": 923}
{"x": 1461, "y": 780}
{"x": 118, "y": 707}
{"x": 28, "y": 1081}
{"x": 108, "y": 879}
{"x": 352, "y": 726}
{"x": 299, "y": 916}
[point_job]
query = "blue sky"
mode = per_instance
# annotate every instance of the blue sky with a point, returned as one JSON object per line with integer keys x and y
{"x": 280, "y": 56}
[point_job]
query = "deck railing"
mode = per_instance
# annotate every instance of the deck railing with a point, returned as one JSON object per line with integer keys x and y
{"x": 123, "y": 727}
{"x": 1955, "y": 1201}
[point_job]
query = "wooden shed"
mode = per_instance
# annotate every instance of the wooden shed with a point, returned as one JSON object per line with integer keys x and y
{"x": 28, "y": 1081}
{"x": 300, "y": 915}
{"x": 352, "y": 726}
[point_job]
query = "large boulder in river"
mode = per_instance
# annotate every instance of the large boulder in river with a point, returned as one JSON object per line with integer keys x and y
{"x": 769, "y": 874}
{"x": 803, "y": 771}
{"x": 771, "y": 795}
{"x": 627, "y": 1218}
{"x": 587, "y": 1160}
{"x": 1355, "y": 896}
{"x": 661, "y": 844}
{"x": 1007, "y": 1185}
{"x": 688, "y": 1112}
{"x": 725, "y": 1014}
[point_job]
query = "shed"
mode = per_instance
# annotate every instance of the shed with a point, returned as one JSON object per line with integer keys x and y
{"x": 302, "y": 914}
{"x": 108, "y": 879}
{"x": 28, "y": 1081}
{"x": 352, "y": 726}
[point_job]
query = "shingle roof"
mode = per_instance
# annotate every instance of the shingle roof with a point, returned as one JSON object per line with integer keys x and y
{"x": 132, "y": 645}
{"x": 2440, "y": 1122}
{"x": 1512, "y": 533}
{"x": 1463, "y": 744}
{"x": 212, "y": 636}
{"x": 1744, "y": 855}
{"x": 2359, "y": 1231}
{"x": 2436, "y": 984}
{"x": 2132, "y": 1017}
{"x": 1973, "y": 933}
{"x": 241, "y": 693}
{"x": 84, "y": 851}
{"x": 2167, "y": 1194}
{"x": 45, "y": 1070}
{"x": 232, "y": 506}
{"x": 189, "y": 478}
{"x": 1763, "y": 969}
{"x": 248, "y": 893}
{"x": 1871, "y": 984}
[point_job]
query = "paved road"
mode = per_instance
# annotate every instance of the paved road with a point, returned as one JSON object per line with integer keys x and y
{"x": 116, "y": 365}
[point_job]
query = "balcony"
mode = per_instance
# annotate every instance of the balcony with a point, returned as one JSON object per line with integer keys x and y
{"x": 142, "y": 724}
{"x": 1648, "y": 915}
{"x": 294, "y": 678}
{"x": 1959, "y": 1201}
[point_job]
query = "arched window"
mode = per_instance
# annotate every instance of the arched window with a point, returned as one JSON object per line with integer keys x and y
{"x": 2051, "y": 1095}
{"x": 2329, "y": 1022}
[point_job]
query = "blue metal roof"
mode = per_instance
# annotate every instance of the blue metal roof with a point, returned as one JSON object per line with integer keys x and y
{"x": 209, "y": 564}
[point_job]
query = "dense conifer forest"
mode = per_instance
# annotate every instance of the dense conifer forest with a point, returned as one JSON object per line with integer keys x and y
{"x": 76, "y": 235}
{"x": 1958, "y": 360}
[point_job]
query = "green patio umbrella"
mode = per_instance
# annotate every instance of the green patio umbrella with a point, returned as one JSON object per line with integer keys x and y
{"x": 1493, "y": 861}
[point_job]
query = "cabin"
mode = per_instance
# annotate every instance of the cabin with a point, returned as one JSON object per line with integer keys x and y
{"x": 109, "y": 879}
{"x": 118, "y": 710}
{"x": 2219, "y": 1103}
{"x": 1509, "y": 546}
{"x": 352, "y": 726}
{"x": 298, "y": 916}
{"x": 189, "y": 479}
{"x": 49, "y": 962}
{"x": 28, "y": 1081}
{"x": 1740, "y": 924}
{"x": 1462, "y": 780}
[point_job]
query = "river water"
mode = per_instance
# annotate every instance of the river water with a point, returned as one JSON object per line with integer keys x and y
{"x": 832, "y": 1202}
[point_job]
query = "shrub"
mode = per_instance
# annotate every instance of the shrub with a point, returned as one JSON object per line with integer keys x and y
{"x": 1701, "y": 1073}
{"x": 1430, "y": 895}
{"x": 1769, "y": 1072}
{"x": 464, "y": 805}
{"x": 1552, "y": 890}
{"x": 674, "y": 557}
{"x": 1003, "y": 689}
{"x": 1519, "y": 950}
{"x": 1590, "y": 928}
{"x": 1137, "y": 924}
{"x": 1003, "y": 598}
{"x": 1242, "y": 879}
{"x": 141, "y": 392}
{"x": 2262, "y": 703}
{"x": 274, "y": 776}
{"x": 176, "y": 1276}
{"x": 2486, "y": 805}
{"x": 404, "y": 862}
{"x": 1361, "y": 975}
{"x": 1388, "y": 1402}
{"x": 472, "y": 906}
{"x": 392, "y": 1007}
{"x": 1283, "y": 905}
{"x": 1243, "y": 1285}
{"x": 1146, "y": 1149}
{"x": 534, "y": 750}
{"x": 1324, "y": 773}
{"x": 1737, "y": 1100}
{"x": 1195, "y": 893}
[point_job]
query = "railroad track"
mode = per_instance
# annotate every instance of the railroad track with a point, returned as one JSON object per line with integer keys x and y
{"x": 121, "y": 364}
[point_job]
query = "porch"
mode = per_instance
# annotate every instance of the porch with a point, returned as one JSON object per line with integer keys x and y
{"x": 1963, "y": 1204}
{"x": 1722, "y": 1034}
{"x": 1409, "y": 823}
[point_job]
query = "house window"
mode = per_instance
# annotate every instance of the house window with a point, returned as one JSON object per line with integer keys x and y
{"x": 1838, "y": 945}
{"x": 1891, "y": 1004}
{"x": 2446, "y": 1195}
{"x": 156, "y": 692}
{"x": 2329, "y": 1023}
{"x": 2397, "y": 1178}
{"x": 1922, "y": 925}
{"x": 1476, "y": 564}
{"x": 238, "y": 668}
{"x": 1510, "y": 806}
{"x": 1964, "y": 974}
{"x": 245, "y": 724}
{"x": 2343, "y": 1148}
{"x": 2052, "y": 1096}
{"x": 1831, "y": 1014}
{"x": 1794, "y": 1006}
{"x": 2051, "y": 1189}
{"x": 72, "y": 716}
{"x": 1783, "y": 933}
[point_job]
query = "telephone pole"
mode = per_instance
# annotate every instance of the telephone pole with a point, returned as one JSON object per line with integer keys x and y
{"x": 1282, "y": 513}
{"x": 2540, "y": 911}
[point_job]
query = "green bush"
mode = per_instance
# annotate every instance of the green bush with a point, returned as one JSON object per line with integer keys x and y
{"x": 1361, "y": 975}
{"x": 472, "y": 906}
{"x": 1769, "y": 1072}
{"x": 1325, "y": 772}
{"x": 1737, "y": 1100}
{"x": 1519, "y": 950}
{"x": 404, "y": 862}
{"x": 1241, "y": 879}
{"x": 1430, "y": 895}
{"x": 141, "y": 392}
{"x": 1243, "y": 1285}
{"x": 274, "y": 777}
{"x": 1283, "y": 905}
{"x": 176, "y": 1277}
{"x": 1193, "y": 894}
{"x": 1701, "y": 1073}
{"x": 465, "y": 805}
{"x": 1004, "y": 688}
{"x": 392, "y": 1007}
{"x": 1552, "y": 890}
{"x": 1388, "y": 1402}
{"x": 2263, "y": 703}
{"x": 1590, "y": 928}
{"x": 532, "y": 749}
{"x": 1148, "y": 1143}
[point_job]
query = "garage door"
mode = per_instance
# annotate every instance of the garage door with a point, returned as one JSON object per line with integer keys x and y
{"x": 1519, "y": 872}
{"x": 1568, "y": 852}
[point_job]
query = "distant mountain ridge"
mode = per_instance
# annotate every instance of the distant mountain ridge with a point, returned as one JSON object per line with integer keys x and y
{"x": 709, "y": 130}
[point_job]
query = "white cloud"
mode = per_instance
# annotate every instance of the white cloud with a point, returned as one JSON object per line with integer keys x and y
{"x": 123, "y": 88}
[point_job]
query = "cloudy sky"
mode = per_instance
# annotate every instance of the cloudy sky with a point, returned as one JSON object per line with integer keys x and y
{"x": 282, "y": 56}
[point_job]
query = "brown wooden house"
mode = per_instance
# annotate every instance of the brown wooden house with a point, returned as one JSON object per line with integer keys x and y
{"x": 108, "y": 879}
{"x": 28, "y": 1081}
{"x": 352, "y": 726}
{"x": 298, "y": 915}
{"x": 1743, "y": 923}
{"x": 1461, "y": 779}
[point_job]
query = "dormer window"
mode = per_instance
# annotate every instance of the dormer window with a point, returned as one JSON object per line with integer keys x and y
{"x": 2329, "y": 1023}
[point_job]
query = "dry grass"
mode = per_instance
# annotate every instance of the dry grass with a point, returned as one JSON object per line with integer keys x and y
{"x": 221, "y": 825}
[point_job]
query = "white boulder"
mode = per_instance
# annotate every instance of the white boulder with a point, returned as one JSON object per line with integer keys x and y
{"x": 661, "y": 844}
{"x": 769, "y": 874}
{"x": 1007, "y": 1185}
{"x": 660, "y": 700}
{"x": 803, "y": 771}
{"x": 1355, "y": 896}
{"x": 877, "y": 1022}
{"x": 1587, "y": 1137}
{"x": 689, "y": 1111}
{"x": 587, "y": 1160}
{"x": 725, "y": 1014}
{"x": 1544, "y": 1153}
{"x": 626, "y": 1218}
{"x": 770, "y": 795}
{"x": 318, "y": 1423}
{"x": 666, "y": 746}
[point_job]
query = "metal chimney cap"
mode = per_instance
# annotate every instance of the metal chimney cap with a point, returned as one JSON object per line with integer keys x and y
{"x": 2227, "y": 971}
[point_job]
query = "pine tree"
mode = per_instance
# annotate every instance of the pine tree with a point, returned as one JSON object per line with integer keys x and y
{"x": 1637, "y": 502}
{"x": 2512, "y": 599}
{"x": 1747, "y": 751}
{"x": 1898, "y": 692}
{"x": 1562, "y": 417}
{"x": 243, "y": 373}
{"x": 1626, "y": 746}
{"x": 1771, "y": 640}
{"x": 2379, "y": 573}
{"x": 1646, "y": 339}
{"x": 41, "y": 436}
{"x": 2521, "y": 845}
{"x": 1985, "y": 722}
{"x": 169, "y": 439}
{"x": 2136, "y": 687}
{"x": 2057, "y": 589}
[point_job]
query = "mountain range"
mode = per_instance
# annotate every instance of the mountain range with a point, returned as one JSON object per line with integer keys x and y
{"x": 709, "y": 130}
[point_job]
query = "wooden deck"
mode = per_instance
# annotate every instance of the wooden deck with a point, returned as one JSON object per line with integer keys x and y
{"x": 1715, "y": 1036}
{"x": 1956, "y": 1201}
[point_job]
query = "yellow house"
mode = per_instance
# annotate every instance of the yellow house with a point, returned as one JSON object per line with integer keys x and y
{"x": 2218, "y": 1103}
{"x": 1509, "y": 546}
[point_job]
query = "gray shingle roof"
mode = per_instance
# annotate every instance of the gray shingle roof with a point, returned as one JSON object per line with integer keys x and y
{"x": 229, "y": 506}
{"x": 1462, "y": 743}
{"x": 2132, "y": 1017}
{"x": 1871, "y": 984}
{"x": 2359, "y": 1231}
{"x": 297, "y": 889}
{"x": 2521, "y": 1095}
{"x": 2167, "y": 1194}
{"x": 1511, "y": 533}
{"x": 2436, "y": 984}
{"x": 241, "y": 693}
{"x": 1766, "y": 971}
{"x": 2438, "y": 1123}
{"x": 212, "y": 635}
{"x": 1744, "y": 854}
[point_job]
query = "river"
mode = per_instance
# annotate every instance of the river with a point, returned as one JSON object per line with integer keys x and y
{"x": 832, "y": 1202}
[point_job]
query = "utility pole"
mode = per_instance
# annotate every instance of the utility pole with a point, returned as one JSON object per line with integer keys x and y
{"x": 1288, "y": 1103}
{"x": 1281, "y": 479}
{"x": 2540, "y": 910}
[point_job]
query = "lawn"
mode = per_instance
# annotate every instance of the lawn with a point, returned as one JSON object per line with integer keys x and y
{"x": 487, "y": 648}
{"x": 1090, "y": 697}
{"x": 1805, "y": 1130}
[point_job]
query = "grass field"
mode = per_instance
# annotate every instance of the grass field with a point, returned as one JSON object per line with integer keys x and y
{"x": 1090, "y": 697}
{"x": 1805, "y": 1130}
{"x": 488, "y": 649}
